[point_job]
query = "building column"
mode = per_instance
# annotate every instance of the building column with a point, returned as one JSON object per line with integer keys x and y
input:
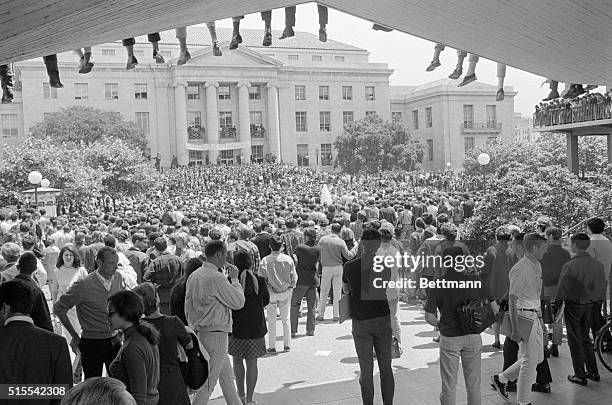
{"x": 212, "y": 120}
{"x": 244, "y": 119}
{"x": 273, "y": 125}
{"x": 572, "y": 153}
{"x": 180, "y": 111}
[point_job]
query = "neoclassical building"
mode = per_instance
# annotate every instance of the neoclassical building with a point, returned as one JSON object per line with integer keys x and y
{"x": 291, "y": 99}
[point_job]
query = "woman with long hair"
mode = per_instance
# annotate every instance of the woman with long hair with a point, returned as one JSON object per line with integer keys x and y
{"x": 171, "y": 332}
{"x": 137, "y": 363}
{"x": 247, "y": 341}
{"x": 177, "y": 294}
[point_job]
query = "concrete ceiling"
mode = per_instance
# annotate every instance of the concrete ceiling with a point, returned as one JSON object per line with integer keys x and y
{"x": 568, "y": 40}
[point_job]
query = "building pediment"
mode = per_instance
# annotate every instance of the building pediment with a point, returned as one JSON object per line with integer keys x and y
{"x": 242, "y": 57}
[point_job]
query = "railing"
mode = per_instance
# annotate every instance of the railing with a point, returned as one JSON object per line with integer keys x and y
{"x": 560, "y": 114}
{"x": 195, "y": 132}
{"x": 258, "y": 131}
{"x": 227, "y": 132}
{"x": 470, "y": 127}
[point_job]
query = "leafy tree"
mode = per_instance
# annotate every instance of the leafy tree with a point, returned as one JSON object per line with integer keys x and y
{"x": 592, "y": 157}
{"x": 87, "y": 125}
{"x": 371, "y": 145}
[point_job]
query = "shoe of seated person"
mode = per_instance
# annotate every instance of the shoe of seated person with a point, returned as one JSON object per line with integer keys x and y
{"x": 158, "y": 57}
{"x": 467, "y": 80}
{"x": 500, "y": 95}
{"x": 551, "y": 96}
{"x": 86, "y": 67}
{"x": 236, "y": 40}
{"x": 287, "y": 32}
{"x": 378, "y": 27}
{"x": 183, "y": 58}
{"x": 322, "y": 35}
{"x": 267, "y": 41}
{"x": 456, "y": 73}
{"x": 217, "y": 49}
{"x": 54, "y": 81}
{"x": 434, "y": 64}
{"x": 131, "y": 63}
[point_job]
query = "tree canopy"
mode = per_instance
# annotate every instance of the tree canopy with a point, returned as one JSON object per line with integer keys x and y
{"x": 372, "y": 144}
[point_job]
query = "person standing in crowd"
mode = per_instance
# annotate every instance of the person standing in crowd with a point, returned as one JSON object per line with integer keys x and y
{"x": 581, "y": 284}
{"x": 292, "y": 237}
{"x": 262, "y": 238}
{"x": 91, "y": 251}
{"x": 40, "y": 311}
{"x": 388, "y": 250}
{"x": 209, "y": 300}
{"x": 524, "y": 299}
{"x": 243, "y": 244}
{"x": 333, "y": 249}
{"x": 98, "y": 390}
{"x": 163, "y": 271}
{"x": 371, "y": 327}
{"x": 404, "y": 222}
{"x": 278, "y": 270}
{"x": 49, "y": 261}
{"x": 137, "y": 256}
{"x": 40, "y": 274}
{"x": 10, "y": 252}
{"x": 29, "y": 354}
{"x": 552, "y": 263}
{"x": 172, "y": 333}
{"x": 496, "y": 270}
{"x": 137, "y": 362}
{"x": 307, "y": 256}
{"x": 97, "y": 343}
{"x": 455, "y": 342}
{"x": 247, "y": 341}
{"x": 357, "y": 225}
{"x": 177, "y": 294}
{"x": 600, "y": 249}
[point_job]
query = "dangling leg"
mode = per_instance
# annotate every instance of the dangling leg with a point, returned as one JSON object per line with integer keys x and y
{"x": 461, "y": 55}
{"x": 236, "y": 38}
{"x": 266, "y": 16}
{"x": 129, "y": 47}
{"x": 435, "y": 62}
{"x": 289, "y": 23}
{"x": 154, "y": 40}
{"x": 554, "y": 93}
{"x": 323, "y": 19}
{"x": 6, "y": 78}
{"x": 501, "y": 75}
{"x": 213, "y": 37}
{"x": 181, "y": 34}
{"x": 470, "y": 75}
{"x": 53, "y": 71}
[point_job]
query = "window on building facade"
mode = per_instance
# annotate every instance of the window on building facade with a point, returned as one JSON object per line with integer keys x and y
{"x": 111, "y": 91}
{"x": 491, "y": 139}
{"x": 257, "y": 151}
{"x": 302, "y": 154}
{"x": 325, "y": 121}
{"x": 491, "y": 116}
{"x": 317, "y": 58}
{"x": 224, "y": 92}
{"x": 326, "y": 154}
{"x": 428, "y": 118}
{"x": 347, "y": 93}
{"x": 195, "y": 157}
{"x": 468, "y": 116}
{"x": 140, "y": 91}
{"x": 415, "y": 119}
{"x": 193, "y": 92}
{"x": 80, "y": 91}
{"x": 49, "y": 92}
{"x": 468, "y": 143}
{"x": 324, "y": 93}
{"x": 194, "y": 124}
{"x": 339, "y": 58}
{"x": 227, "y": 154}
{"x": 396, "y": 116}
{"x": 10, "y": 129}
{"x": 300, "y": 92}
{"x": 256, "y": 117}
{"x": 225, "y": 119}
{"x": 370, "y": 114}
{"x": 293, "y": 57}
{"x": 108, "y": 52}
{"x": 370, "y": 95}
{"x": 142, "y": 122}
{"x": 348, "y": 117}
{"x": 430, "y": 150}
{"x": 300, "y": 121}
{"x": 255, "y": 93}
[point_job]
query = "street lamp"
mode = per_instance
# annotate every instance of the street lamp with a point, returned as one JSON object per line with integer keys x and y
{"x": 35, "y": 178}
{"x": 483, "y": 160}
{"x": 448, "y": 166}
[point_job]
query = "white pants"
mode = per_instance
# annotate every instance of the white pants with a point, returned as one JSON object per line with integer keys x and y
{"x": 282, "y": 301}
{"x": 330, "y": 277}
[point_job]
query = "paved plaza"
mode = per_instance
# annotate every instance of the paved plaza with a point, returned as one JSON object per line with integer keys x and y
{"x": 324, "y": 370}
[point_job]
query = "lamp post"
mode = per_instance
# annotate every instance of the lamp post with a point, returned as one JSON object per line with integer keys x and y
{"x": 317, "y": 153}
{"x": 483, "y": 160}
{"x": 35, "y": 178}
{"x": 448, "y": 166}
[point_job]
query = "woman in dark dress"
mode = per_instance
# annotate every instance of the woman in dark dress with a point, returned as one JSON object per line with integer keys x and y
{"x": 171, "y": 387}
{"x": 247, "y": 340}
{"x": 177, "y": 294}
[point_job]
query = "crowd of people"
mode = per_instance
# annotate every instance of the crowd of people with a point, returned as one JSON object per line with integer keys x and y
{"x": 222, "y": 251}
{"x": 590, "y": 107}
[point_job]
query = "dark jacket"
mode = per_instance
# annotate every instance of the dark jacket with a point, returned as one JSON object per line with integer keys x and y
{"x": 262, "y": 241}
{"x": 164, "y": 272}
{"x": 552, "y": 262}
{"x": 249, "y": 322}
{"x": 496, "y": 270}
{"x": 40, "y": 311}
{"x": 31, "y": 355}
{"x": 582, "y": 280}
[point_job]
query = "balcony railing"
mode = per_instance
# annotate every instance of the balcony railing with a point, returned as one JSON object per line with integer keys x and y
{"x": 561, "y": 114}
{"x": 227, "y": 133}
{"x": 258, "y": 131}
{"x": 480, "y": 127}
{"x": 195, "y": 132}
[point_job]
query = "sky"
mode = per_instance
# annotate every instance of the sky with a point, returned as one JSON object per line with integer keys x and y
{"x": 407, "y": 55}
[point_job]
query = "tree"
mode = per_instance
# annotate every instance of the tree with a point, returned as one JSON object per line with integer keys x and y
{"x": 504, "y": 156}
{"x": 87, "y": 125}
{"x": 592, "y": 157}
{"x": 371, "y": 145}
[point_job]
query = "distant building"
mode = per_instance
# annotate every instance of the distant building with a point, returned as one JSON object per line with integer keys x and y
{"x": 449, "y": 120}
{"x": 523, "y": 129}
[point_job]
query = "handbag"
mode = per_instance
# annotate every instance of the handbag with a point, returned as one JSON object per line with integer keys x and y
{"x": 193, "y": 362}
{"x": 396, "y": 348}
{"x": 344, "y": 308}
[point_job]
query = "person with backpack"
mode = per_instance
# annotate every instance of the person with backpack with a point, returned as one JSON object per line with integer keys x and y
{"x": 243, "y": 244}
{"x": 163, "y": 271}
{"x": 456, "y": 340}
